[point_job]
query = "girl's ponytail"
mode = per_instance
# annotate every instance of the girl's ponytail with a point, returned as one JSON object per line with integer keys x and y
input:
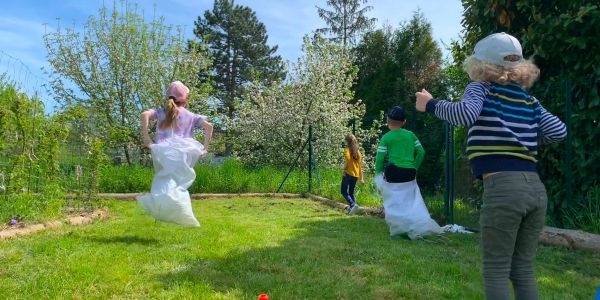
{"x": 171, "y": 113}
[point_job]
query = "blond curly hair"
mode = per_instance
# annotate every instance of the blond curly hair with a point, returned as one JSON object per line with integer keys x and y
{"x": 525, "y": 73}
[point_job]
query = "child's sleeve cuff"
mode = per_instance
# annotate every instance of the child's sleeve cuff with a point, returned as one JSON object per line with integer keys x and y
{"x": 430, "y": 107}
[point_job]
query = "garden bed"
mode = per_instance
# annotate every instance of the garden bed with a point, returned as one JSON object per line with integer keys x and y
{"x": 23, "y": 229}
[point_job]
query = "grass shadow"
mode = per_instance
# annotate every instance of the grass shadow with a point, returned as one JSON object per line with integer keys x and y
{"x": 354, "y": 257}
{"x": 334, "y": 259}
{"x": 127, "y": 239}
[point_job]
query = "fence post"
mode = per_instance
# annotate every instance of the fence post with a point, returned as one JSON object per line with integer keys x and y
{"x": 310, "y": 158}
{"x": 32, "y": 146}
{"x": 567, "y": 163}
{"x": 449, "y": 166}
{"x": 451, "y": 173}
{"x": 292, "y": 166}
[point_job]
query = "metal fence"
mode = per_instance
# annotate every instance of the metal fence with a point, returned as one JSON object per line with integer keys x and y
{"x": 72, "y": 177}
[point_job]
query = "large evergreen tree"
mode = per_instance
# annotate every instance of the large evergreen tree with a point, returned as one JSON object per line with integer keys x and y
{"x": 238, "y": 42}
{"x": 347, "y": 19}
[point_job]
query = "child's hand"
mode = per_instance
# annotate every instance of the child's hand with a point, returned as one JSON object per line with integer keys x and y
{"x": 147, "y": 141}
{"x": 422, "y": 98}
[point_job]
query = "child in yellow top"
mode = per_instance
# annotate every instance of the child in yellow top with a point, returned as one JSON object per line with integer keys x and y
{"x": 352, "y": 171}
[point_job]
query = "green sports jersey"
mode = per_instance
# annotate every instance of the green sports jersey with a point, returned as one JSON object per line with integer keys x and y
{"x": 400, "y": 147}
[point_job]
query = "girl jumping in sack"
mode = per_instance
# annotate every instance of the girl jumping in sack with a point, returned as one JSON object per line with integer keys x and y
{"x": 174, "y": 155}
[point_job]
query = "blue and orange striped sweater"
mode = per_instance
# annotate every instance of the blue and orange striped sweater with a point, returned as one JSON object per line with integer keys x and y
{"x": 505, "y": 124}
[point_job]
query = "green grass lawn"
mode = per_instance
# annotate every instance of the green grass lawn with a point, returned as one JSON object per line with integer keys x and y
{"x": 289, "y": 249}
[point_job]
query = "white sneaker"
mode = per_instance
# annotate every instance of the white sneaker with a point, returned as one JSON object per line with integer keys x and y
{"x": 354, "y": 209}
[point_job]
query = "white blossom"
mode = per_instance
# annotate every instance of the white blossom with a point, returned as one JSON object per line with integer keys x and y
{"x": 272, "y": 125}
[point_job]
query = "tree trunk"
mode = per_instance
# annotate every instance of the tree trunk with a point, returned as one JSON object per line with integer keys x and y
{"x": 231, "y": 89}
{"x": 573, "y": 239}
{"x": 229, "y": 135}
{"x": 126, "y": 150}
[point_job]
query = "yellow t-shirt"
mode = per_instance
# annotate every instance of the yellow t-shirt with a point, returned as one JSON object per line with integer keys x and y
{"x": 352, "y": 165}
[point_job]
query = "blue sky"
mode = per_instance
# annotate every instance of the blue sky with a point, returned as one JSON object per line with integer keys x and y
{"x": 23, "y": 22}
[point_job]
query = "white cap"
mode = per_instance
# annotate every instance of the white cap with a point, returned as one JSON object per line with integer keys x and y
{"x": 495, "y": 47}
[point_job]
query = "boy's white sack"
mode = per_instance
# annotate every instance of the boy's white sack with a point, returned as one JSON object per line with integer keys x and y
{"x": 405, "y": 211}
{"x": 174, "y": 160}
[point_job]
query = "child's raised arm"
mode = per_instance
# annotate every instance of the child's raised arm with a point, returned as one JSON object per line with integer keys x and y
{"x": 464, "y": 112}
{"x": 208, "y": 130}
{"x": 145, "y": 118}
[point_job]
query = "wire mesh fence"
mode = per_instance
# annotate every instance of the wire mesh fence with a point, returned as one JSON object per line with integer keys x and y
{"x": 29, "y": 176}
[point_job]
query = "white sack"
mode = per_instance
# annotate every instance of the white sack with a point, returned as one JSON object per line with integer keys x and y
{"x": 405, "y": 211}
{"x": 174, "y": 161}
{"x": 454, "y": 228}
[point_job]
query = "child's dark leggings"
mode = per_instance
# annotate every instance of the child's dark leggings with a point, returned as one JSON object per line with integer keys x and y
{"x": 512, "y": 218}
{"x": 348, "y": 185}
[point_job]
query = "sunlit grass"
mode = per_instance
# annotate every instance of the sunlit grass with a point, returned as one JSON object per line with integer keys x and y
{"x": 289, "y": 249}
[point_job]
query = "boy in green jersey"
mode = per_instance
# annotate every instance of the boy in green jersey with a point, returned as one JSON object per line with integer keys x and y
{"x": 398, "y": 157}
{"x": 400, "y": 153}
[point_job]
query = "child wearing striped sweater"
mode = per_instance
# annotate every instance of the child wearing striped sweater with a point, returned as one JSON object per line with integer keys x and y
{"x": 505, "y": 126}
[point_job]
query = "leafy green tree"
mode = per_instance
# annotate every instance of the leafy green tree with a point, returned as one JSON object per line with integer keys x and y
{"x": 378, "y": 71}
